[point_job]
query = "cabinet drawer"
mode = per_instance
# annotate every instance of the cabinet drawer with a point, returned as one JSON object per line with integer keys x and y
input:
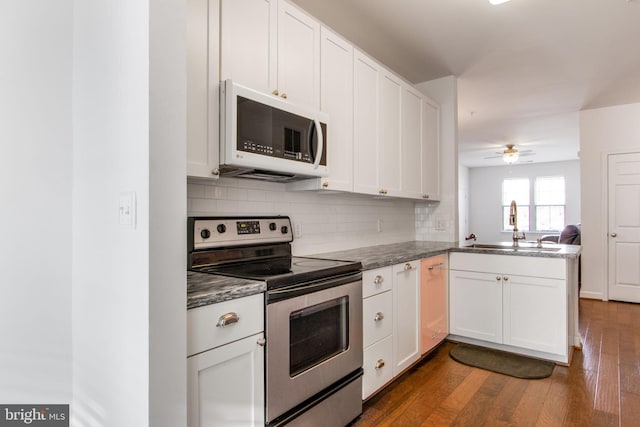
{"x": 204, "y": 333}
{"x": 376, "y": 281}
{"x": 377, "y": 315}
{"x": 377, "y": 366}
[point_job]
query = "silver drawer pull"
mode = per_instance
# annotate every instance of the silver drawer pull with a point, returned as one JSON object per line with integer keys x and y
{"x": 407, "y": 266}
{"x": 227, "y": 320}
{"x": 431, "y": 267}
{"x": 261, "y": 342}
{"x": 379, "y": 364}
{"x": 378, "y": 317}
{"x": 378, "y": 279}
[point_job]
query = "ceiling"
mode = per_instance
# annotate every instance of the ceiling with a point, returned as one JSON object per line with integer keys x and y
{"x": 525, "y": 68}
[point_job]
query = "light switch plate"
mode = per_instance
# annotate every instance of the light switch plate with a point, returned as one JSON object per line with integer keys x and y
{"x": 127, "y": 209}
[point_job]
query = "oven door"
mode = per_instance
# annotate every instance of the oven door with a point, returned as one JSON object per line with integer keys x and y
{"x": 313, "y": 341}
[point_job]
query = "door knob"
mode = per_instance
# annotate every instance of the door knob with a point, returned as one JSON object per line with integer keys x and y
{"x": 614, "y": 234}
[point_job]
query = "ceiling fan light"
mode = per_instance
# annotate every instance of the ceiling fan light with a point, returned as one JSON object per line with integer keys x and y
{"x": 510, "y": 157}
{"x": 496, "y": 2}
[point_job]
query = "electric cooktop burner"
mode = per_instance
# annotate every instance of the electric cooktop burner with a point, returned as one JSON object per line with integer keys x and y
{"x": 257, "y": 249}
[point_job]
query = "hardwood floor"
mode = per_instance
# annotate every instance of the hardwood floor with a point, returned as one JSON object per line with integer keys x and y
{"x": 600, "y": 388}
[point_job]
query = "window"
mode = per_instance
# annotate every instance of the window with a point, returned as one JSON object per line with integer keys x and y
{"x": 549, "y": 203}
{"x": 516, "y": 189}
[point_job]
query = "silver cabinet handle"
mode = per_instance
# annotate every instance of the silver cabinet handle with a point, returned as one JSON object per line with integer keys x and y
{"x": 498, "y": 277}
{"x": 614, "y": 234}
{"x": 378, "y": 317}
{"x": 505, "y": 278}
{"x": 261, "y": 342}
{"x": 407, "y": 267}
{"x": 379, "y": 364}
{"x": 378, "y": 280}
{"x": 227, "y": 320}
{"x": 439, "y": 265}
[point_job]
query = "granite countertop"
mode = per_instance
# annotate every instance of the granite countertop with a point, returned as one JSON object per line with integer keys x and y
{"x": 204, "y": 289}
{"x": 549, "y": 250}
{"x": 395, "y": 253}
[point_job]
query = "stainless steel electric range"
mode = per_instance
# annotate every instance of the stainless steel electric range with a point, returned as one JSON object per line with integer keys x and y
{"x": 313, "y": 316}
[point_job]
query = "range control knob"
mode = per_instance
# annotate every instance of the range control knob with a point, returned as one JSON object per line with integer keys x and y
{"x": 272, "y": 226}
{"x": 284, "y": 229}
{"x": 221, "y": 228}
{"x": 205, "y": 234}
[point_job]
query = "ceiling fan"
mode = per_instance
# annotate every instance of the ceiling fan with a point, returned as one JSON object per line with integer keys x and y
{"x": 512, "y": 154}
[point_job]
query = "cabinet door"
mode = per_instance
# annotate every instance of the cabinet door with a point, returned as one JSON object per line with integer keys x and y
{"x": 248, "y": 42}
{"x": 411, "y": 143}
{"x": 390, "y": 149}
{"x": 535, "y": 313}
{"x": 226, "y": 385}
{"x": 406, "y": 315}
{"x": 433, "y": 302}
{"x": 336, "y": 99}
{"x": 430, "y": 150}
{"x": 298, "y": 56}
{"x": 365, "y": 119}
{"x": 475, "y": 304}
{"x": 203, "y": 22}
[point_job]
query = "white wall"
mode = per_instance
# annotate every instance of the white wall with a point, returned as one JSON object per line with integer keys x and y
{"x": 485, "y": 195}
{"x": 602, "y": 131}
{"x": 439, "y": 221}
{"x": 128, "y": 110}
{"x": 167, "y": 351}
{"x": 328, "y": 222}
{"x": 35, "y": 193}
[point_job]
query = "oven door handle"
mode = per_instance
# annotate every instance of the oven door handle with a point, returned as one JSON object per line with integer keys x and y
{"x": 285, "y": 292}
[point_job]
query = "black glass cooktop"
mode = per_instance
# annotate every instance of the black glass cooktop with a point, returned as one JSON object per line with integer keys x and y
{"x": 278, "y": 272}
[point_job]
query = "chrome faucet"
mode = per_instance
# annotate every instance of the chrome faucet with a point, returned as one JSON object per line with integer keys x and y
{"x": 513, "y": 220}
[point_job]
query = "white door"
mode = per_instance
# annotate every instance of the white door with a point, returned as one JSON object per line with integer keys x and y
{"x": 624, "y": 227}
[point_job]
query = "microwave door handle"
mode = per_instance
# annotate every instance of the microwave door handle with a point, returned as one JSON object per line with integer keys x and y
{"x": 318, "y": 155}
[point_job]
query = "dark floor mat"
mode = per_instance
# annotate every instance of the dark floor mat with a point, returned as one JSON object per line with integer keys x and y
{"x": 501, "y": 362}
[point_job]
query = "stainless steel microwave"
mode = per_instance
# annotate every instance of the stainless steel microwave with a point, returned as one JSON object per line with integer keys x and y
{"x": 266, "y": 137}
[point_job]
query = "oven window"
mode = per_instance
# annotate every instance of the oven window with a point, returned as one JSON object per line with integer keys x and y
{"x": 318, "y": 333}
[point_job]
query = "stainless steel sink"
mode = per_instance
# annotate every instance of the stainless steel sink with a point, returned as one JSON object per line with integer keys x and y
{"x": 508, "y": 246}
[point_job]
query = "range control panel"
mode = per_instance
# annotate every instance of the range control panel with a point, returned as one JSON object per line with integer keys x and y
{"x": 213, "y": 232}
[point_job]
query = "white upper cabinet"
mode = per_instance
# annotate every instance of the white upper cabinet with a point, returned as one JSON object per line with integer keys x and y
{"x": 336, "y": 99}
{"x": 298, "y": 56}
{"x": 412, "y": 149}
{"x": 366, "y": 86}
{"x": 203, "y": 56}
{"x": 390, "y": 123}
{"x": 271, "y": 46}
{"x": 430, "y": 150}
{"x": 248, "y": 41}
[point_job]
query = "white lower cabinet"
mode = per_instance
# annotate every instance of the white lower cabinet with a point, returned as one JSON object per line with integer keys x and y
{"x": 406, "y": 315}
{"x": 391, "y": 339}
{"x": 225, "y": 382}
{"x": 515, "y": 301}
